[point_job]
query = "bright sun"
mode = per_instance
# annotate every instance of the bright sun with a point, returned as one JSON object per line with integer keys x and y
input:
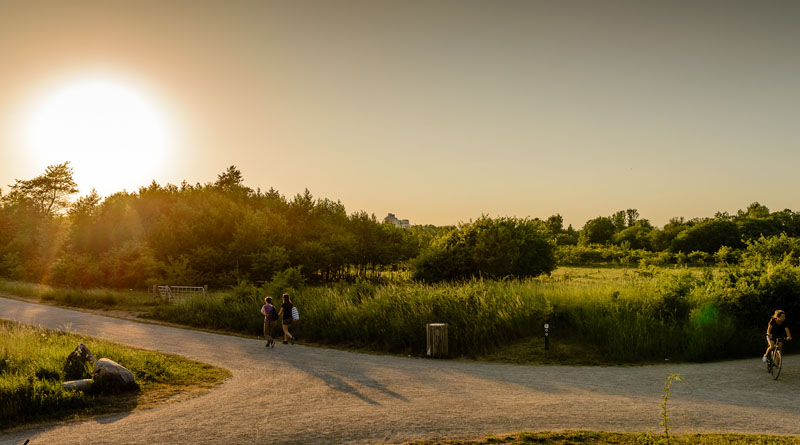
{"x": 113, "y": 132}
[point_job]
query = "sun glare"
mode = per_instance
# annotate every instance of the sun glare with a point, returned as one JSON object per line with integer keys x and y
{"x": 112, "y": 131}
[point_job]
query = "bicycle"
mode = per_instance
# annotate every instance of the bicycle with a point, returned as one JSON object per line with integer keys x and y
{"x": 775, "y": 359}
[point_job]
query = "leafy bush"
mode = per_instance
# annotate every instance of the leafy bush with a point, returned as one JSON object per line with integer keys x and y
{"x": 774, "y": 249}
{"x": 708, "y": 236}
{"x": 286, "y": 281}
{"x": 494, "y": 248}
{"x": 727, "y": 256}
{"x": 670, "y": 302}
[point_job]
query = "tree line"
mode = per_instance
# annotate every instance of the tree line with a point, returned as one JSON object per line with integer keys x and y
{"x": 216, "y": 233}
{"x": 224, "y": 232}
{"x": 625, "y": 228}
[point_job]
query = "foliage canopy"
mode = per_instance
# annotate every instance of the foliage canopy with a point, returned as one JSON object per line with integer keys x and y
{"x": 494, "y": 248}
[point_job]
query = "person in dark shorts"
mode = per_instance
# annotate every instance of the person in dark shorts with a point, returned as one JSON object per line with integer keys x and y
{"x": 267, "y": 310}
{"x": 777, "y": 328}
{"x": 286, "y": 312}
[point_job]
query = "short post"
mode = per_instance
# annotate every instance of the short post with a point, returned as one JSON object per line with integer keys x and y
{"x": 546, "y": 336}
{"x": 437, "y": 339}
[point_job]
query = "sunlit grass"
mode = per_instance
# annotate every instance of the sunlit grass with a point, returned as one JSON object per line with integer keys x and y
{"x": 85, "y": 298}
{"x": 32, "y": 363}
{"x": 584, "y": 306}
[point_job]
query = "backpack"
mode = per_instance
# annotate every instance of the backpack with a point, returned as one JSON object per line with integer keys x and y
{"x": 273, "y": 314}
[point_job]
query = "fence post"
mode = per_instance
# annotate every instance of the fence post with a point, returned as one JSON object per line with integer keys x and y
{"x": 437, "y": 339}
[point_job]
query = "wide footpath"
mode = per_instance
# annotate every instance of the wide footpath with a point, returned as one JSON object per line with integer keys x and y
{"x": 300, "y": 394}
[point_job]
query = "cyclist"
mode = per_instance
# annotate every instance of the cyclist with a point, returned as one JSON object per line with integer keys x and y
{"x": 777, "y": 328}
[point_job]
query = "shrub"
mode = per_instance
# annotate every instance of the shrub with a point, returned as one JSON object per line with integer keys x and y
{"x": 494, "y": 248}
{"x": 727, "y": 256}
{"x": 287, "y": 281}
{"x": 773, "y": 249}
{"x": 707, "y": 236}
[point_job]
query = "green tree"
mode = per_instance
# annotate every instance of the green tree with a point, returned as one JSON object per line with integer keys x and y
{"x": 637, "y": 237}
{"x": 708, "y": 236}
{"x": 618, "y": 218}
{"x": 598, "y": 231}
{"x": 491, "y": 248}
{"x": 755, "y": 210}
{"x": 631, "y": 217}
{"x": 230, "y": 179}
{"x": 554, "y": 224}
{"x": 48, "y": 193}
{"x": 661, "y": 240}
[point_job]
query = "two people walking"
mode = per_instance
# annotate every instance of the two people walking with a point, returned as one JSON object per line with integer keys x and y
{"x": 286, "y": 314}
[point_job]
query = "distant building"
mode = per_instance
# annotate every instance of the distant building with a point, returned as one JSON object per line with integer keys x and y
{"x": 402, "y": 223}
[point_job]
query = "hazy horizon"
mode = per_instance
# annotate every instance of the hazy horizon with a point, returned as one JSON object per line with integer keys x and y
{"x": 438, "y": 112}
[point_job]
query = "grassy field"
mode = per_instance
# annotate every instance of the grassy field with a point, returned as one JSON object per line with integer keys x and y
{"x": 586, "y": 309}
{"x": 597, "y": 315}
{"x": 32, "y": 368}
{"x": 131, "y": 300}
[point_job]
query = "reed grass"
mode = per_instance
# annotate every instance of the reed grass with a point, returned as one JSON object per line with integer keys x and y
{"x": 627, "y": 316}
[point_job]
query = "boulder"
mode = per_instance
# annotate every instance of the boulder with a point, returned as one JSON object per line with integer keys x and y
{"x": 84, "y": 385}
{"x": 77, "y": 362}
{"x": 110, "y": 376}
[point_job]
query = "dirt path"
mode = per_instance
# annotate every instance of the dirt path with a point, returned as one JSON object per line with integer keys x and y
{"x": 299, "y": 394}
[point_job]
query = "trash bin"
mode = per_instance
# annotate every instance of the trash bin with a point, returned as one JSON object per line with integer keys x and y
{"x": 437, "y": 339}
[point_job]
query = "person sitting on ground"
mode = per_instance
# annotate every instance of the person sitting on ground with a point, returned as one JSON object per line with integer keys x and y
{"x": 777, "y": 330}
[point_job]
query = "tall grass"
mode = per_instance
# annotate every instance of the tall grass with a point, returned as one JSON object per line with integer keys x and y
{"x": 87, "y": 298}
{"x": 32, "y": 368}
{"x": 629, "y": 316}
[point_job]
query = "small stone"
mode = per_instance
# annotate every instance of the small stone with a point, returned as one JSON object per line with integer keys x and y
{"x": 84, "y": 385}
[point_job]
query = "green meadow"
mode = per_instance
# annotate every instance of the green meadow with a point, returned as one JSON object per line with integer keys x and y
{"x": 597, "y": 315}
{"x": 627, "y": 315}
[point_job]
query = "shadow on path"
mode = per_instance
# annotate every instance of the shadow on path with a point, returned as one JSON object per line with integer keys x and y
{"x": 337, "y": 374}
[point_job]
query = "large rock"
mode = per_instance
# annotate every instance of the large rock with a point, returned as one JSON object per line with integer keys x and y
{"x": 77, "y": 363}
{"x": 84, "y": 385}
{"x": 110, "y": 376}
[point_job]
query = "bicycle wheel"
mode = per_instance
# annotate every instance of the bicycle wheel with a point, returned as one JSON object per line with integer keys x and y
{"x": 776, "y": 364}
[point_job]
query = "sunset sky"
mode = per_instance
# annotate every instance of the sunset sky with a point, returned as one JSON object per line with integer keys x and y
{"x": 437, "y": 111}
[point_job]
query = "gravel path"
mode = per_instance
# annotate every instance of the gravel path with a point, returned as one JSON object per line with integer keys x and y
{"x": 299, "y": 394}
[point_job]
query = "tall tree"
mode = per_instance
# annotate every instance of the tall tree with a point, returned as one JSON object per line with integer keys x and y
{"x": 555, "y": 224}
{"x": 599, "y": 230}
{"x": 48, "y": 193}
{"x": 631, "y": 216}
{"x": 230, "y": 179}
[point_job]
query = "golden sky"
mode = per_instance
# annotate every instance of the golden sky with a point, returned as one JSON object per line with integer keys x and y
{"x": 437, "y": 111}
